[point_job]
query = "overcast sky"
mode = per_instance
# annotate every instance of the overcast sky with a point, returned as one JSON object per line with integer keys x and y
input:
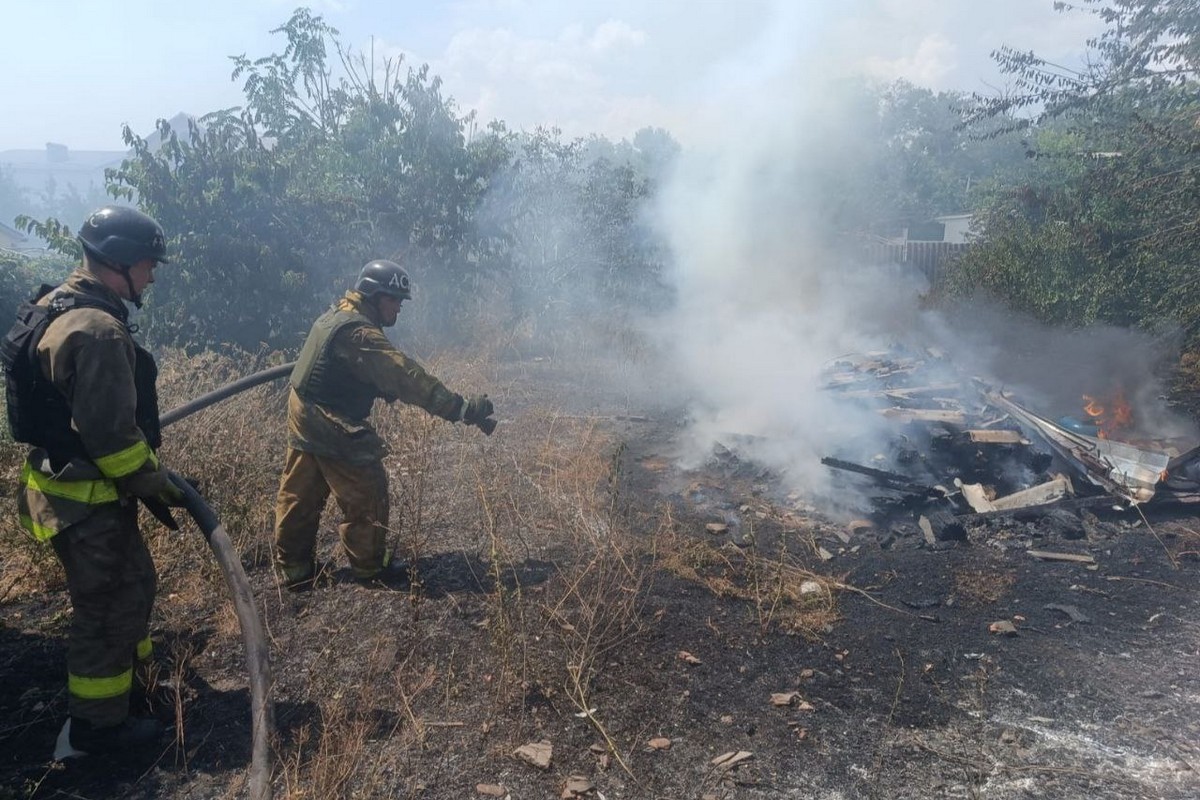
{"x": 72, "y": 71}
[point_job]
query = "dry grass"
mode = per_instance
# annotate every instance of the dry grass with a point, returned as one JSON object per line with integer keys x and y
{"x": 329, "y": 756}
{"x": 784, "y": 595}
{"x": 565, "y": 574}
{"x": 538, "y": 499}
{"x": 983, "y": 587}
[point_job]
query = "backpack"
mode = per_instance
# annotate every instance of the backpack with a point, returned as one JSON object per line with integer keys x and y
{"x": 24, "y": 383}
{"x": 38, "y": 414}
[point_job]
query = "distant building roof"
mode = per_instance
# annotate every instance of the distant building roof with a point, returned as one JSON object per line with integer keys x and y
{"x": 61, "y": 158}
{"x": 10, "y": 230}
{"x": 14, "y": 239}
{"x": 181, "y": 128}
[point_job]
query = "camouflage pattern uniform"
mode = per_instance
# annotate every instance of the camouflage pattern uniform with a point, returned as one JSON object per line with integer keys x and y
{"x": 346, "y": 363}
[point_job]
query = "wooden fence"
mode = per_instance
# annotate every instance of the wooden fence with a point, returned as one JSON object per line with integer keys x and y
{"x": 931, "y": 258}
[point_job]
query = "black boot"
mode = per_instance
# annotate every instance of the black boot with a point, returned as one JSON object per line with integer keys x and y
{"x": 396, "y": 575}
{"x": 131, "y": 737}
{"x": 320, "y": 574}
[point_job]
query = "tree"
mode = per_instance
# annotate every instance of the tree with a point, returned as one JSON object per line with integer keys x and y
{"x": 335, "y": 158}
{"x": 1123, "y": 197}
{"x": 13, "y": 200}
{"x": 274, "y": 207}
{"x": 21, "y": 275}
{"x": 237, "y": 239}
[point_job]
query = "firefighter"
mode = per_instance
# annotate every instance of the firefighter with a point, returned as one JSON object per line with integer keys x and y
{"x": 83, "y": 393}
{"x": 345, "y": 364}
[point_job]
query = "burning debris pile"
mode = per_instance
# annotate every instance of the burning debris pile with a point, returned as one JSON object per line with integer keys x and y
{"x": 960, "y": 448}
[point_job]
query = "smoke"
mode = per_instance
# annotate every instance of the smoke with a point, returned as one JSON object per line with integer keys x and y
{"x": 767, "y": 301}
{"x": 765, "y": 304}
{"x": 1050, "y": 370}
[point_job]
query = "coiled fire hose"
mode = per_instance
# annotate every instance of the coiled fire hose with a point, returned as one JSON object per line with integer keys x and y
{"x": 258, "y": 662}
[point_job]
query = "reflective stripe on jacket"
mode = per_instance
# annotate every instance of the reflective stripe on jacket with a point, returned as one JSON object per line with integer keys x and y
{"x": 49, "y": 502}
{"x": 89, "y": 356}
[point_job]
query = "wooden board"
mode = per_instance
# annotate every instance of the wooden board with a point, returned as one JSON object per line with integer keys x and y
{"x": 996, "y": 437}
{"x": 925, "y": 415}
{"x": 1038, "y": 495}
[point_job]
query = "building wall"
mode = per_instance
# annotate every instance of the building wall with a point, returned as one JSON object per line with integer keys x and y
{"x": 958, "y": 228}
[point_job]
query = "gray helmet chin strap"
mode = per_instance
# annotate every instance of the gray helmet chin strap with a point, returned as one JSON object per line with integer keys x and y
{"x": 134, "y": 297}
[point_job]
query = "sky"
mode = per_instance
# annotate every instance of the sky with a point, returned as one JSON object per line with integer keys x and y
{"x": 77, "y": 70}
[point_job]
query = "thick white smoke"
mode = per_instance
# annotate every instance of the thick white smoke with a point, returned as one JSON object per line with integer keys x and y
{"x": 764, "y": 305}
{"x": 766, "y": 301}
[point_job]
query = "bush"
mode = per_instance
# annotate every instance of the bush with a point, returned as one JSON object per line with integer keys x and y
{"x": 21, "y": 275}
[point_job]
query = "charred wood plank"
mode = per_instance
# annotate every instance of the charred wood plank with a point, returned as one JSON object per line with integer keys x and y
{"x": 905, "y": 393}
{"x": 1075, "y": 558}
{"x": 941, "y": 526}
{"x": 975, "y": 496}
{"x": 891, "y": 480}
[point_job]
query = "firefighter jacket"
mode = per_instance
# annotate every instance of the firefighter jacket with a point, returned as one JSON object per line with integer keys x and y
{"x": 346, "y": 363}
{"x": 88, "y": 355}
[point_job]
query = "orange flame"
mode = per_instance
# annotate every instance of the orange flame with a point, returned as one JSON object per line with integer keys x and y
{"x": 1112, "y": 415}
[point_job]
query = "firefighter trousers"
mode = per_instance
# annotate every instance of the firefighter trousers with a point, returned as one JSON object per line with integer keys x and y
{"x": 361, "y": 492}
{"x": 111, "y": 581}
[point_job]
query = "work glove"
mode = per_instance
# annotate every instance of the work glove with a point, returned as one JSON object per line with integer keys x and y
{"x": 154, "y": 486}
{"x": 476, "y": 410}
{"x": 157, "y": 493}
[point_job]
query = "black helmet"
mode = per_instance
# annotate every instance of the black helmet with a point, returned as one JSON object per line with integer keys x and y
{"x": 122, "y": 236}
{"x": 384, "y": 277}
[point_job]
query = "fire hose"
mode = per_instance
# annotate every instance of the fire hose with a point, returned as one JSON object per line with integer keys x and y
{"x": 258, "y": 662}
{"x": 228, "y": 390}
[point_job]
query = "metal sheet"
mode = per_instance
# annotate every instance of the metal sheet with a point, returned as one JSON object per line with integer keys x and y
{"x": 1119, "y": 468}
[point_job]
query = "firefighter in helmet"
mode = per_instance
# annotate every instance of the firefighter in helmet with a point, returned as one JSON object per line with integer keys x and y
{"x": 345, "y": 364}
{"x": 82, "y": 392}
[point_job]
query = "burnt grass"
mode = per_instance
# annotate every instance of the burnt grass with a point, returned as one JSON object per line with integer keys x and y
{"x": 425, "y": 690}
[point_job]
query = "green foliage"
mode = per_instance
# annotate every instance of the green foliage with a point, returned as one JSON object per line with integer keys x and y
{"x": 20, "y": 277}
{"x": 236, "y": 245}
{"x": 1103, "y": 223}
{"x": 16, "y": 283}
{"x": 931, "y": 164}
{"x": 273, "y": 208}
{"x": 58, "y": 237}
{"x": 570, "y": 217}
{"x": 897, "y": 154}
{"x": 270, "y": 209}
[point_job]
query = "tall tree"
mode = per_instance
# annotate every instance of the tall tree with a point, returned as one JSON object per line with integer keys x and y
{"x": 277, "y": 204}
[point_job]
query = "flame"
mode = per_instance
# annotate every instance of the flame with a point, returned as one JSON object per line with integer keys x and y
{"x": 1112, "y": 415}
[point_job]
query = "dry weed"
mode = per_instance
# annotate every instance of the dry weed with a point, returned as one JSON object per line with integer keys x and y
{"x": 983, "y": 587}
{"x": 783, "y": 595}
{"x": 537, "y": 505}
